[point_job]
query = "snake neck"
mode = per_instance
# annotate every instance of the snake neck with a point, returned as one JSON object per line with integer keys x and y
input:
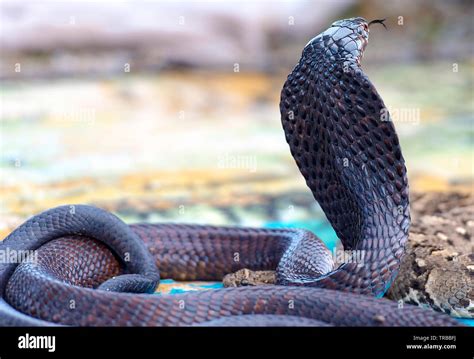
{"x": 351, "y": 159}
{"x": 344, "y": 41}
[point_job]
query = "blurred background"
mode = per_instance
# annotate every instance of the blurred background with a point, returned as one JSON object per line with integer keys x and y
{"x": 168, "y": 111}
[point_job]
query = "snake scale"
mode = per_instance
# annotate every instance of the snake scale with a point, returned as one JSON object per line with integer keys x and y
{"x": 91, "y": 269}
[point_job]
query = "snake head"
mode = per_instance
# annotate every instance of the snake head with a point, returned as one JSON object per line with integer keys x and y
{"x": 344, "y": 39}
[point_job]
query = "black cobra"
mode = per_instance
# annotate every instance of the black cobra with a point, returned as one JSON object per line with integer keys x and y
{"x": 346, "y": 148}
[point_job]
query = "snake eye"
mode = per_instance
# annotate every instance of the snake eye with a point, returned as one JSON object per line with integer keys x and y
{"x": 360, "y": 31}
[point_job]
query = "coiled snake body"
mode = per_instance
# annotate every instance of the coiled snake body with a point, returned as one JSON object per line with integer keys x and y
{"x": 346, "y": 148}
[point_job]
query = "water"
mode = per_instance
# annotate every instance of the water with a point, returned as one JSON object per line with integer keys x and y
{"x": 469, "y": 322}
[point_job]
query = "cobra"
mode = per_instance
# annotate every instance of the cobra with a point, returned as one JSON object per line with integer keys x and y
{"x": 91, "y": 268}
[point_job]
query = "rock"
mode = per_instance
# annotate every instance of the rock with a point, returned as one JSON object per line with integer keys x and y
{"x": 436, "y": 269}
{"x": 246, "y": 277}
